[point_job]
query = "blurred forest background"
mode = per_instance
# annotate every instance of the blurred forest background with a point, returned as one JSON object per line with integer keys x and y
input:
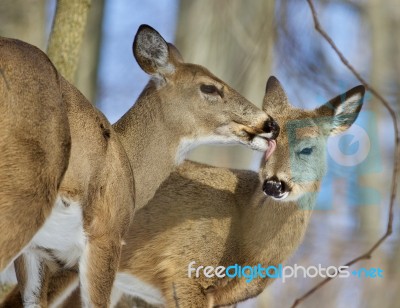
{"x": 243, "y": 42}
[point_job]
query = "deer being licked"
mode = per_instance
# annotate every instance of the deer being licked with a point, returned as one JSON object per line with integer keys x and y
{"x": 217, "y": 216}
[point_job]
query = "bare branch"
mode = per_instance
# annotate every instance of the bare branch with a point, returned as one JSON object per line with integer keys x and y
{"x": 368, "y": 254}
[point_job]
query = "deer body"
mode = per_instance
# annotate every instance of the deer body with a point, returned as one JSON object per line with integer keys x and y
{"x": 85, "y": 193}
{"x": 241, "y": 226}
{"x": 220, "y": 217}
{"x": 25, "y": 71}
{"x": 216, "y": 216}
{"x": 94, "y": 203}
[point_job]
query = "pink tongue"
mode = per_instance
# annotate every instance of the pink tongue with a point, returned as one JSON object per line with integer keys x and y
{"x": 271, "y": 149}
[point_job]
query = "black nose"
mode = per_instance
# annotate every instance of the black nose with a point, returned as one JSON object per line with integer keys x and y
{"x": 273, "y": 187}
{"x": 271, "y": 127}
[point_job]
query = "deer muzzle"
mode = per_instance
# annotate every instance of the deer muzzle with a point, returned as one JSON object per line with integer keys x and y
{"x": 275, "y": 188}
{"x": 270, "y": 129}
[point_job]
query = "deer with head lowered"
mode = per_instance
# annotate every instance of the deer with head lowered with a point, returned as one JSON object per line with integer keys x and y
{"x": 75, "y": 172}
{"x": 207, "y": 216}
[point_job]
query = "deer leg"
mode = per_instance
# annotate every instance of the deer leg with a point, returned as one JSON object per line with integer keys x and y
{"x": 63, "y": 291}
{"x": 98, "y": 265}
{"x": 97, "y": 269}
{"x": 32, "y": 275}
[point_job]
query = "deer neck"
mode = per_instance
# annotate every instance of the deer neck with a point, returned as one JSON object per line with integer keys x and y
{"x": 150, "y": 145}
{"x": 273, "y": 230}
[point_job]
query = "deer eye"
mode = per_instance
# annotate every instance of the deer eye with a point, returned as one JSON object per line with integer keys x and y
{"x": 306, "y": 151}
{"x": 209, "y": 89}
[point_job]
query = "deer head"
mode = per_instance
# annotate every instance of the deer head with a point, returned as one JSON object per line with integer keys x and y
{"x": 194, "y": 103}
{"x": 299, "y": 162}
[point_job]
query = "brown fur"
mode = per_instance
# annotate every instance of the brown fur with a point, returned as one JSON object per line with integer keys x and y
{"x": 99, "y": 176}
{"x": 31, "y": 101}
{"x": 217, "y": 216}
{"x": 52, "y": 126}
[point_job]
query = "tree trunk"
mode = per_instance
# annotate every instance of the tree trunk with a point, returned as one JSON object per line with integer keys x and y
{"x": 86, "y": 75}
{"x": 381, "y": 72}
{"x": 67, "y": 35}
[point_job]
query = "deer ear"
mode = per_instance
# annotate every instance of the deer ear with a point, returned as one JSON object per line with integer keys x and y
{"x": 343, "y": 110}
{"x": 275, "y": 98}
{"x": 151, "y": 52}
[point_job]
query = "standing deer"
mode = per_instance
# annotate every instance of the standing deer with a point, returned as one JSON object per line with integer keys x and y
{"x": 78, "y": 187}
{"x": 220, "y": 217}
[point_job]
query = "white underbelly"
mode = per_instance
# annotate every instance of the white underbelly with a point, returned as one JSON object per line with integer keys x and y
{"x": 129, "y": 284}
{"x": 62, "y": 232}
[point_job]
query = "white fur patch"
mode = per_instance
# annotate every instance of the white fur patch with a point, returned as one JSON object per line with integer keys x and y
{"x": 266, "y": 135}
{"x": 259, "y": 144}
{"x": 133, "y": 286}
{"x": 33, "y": 280}
{"x": 281, "y": 196}
{"x": 63, "y": 235}
{"x": 83, "y": 266}
{"x": 187, "y": 144}
{"x": 63, "y": 232}
{"x": 116, "y": 295}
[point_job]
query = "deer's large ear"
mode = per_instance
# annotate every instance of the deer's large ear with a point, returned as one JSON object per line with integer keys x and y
{"x": 152, "y": 52}
{"x": 341, "y": 112}
{"x": 275, "y": 98}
